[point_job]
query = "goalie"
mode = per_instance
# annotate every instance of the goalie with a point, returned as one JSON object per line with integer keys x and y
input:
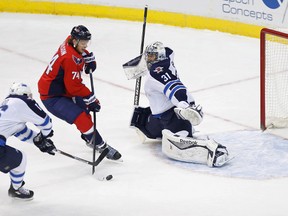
{"x": 172, "y": 112}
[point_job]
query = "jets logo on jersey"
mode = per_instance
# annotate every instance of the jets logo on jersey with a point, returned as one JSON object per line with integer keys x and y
{"x": 77, "y": 60}
{"x": 158, "y": 69}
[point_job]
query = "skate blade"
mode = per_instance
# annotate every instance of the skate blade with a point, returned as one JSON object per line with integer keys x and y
{"x": 225, "y": 162}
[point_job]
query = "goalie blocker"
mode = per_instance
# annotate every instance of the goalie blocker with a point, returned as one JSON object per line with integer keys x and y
{"x": 192, "y": 150}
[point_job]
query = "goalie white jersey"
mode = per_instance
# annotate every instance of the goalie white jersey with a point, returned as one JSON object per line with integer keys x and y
{"x": 163, "y": 87}
{"x": 13, "y": 122}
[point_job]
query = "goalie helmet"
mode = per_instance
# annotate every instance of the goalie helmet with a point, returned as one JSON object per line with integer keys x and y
{"x": 20, "y": 89}
{"x": 158, "y": 50}
{"x": 80, "y": 32}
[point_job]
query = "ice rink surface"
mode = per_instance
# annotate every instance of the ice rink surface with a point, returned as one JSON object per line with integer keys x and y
{"x": 222, "y": 73}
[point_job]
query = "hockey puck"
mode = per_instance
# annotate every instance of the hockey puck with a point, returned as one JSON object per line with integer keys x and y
{"x": 109, "y": 177}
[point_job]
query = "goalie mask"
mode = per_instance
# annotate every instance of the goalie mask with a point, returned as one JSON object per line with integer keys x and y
{"x": 20, "y": 89}
{"x": 154, "y": 53}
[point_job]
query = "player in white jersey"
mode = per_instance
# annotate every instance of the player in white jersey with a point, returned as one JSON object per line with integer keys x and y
{"x": 173, "y": 111}
{"x": 16, "y": 110}
{"x": 165, "y": 91}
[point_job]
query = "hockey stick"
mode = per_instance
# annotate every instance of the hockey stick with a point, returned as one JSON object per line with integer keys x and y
{"x": 138, "y": 80}
{"x": 94, "y": 125}
{"x": 94, "y": 163}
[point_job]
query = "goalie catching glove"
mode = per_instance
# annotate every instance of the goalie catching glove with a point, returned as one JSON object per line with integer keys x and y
{"x": 190, "y": 112}
{"x": 45, "y": 144}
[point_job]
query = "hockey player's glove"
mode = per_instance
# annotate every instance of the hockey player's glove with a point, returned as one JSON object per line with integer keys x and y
{"x": 90, "y": 63}
{"x": 92, "y": 103}
{"x": 44, "y": 144}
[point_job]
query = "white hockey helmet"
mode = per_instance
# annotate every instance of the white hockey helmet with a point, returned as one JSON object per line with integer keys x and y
{"x": 157, "y": 49}
{"x": 20, "y": 89}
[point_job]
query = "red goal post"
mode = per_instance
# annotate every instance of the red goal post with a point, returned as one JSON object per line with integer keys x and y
{"x": 273, "y": 79}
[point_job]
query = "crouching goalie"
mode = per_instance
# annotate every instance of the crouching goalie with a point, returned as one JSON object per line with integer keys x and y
{"x": 173, "y": 112}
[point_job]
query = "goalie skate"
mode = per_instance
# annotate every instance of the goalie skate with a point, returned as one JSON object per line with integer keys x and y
{"x": 219, "y": 157}
{"x": 221, "y": 161}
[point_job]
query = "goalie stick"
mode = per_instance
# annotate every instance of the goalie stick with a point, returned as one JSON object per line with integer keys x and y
{"x": 138, "y": 80}
{"x": 93, "y": 163}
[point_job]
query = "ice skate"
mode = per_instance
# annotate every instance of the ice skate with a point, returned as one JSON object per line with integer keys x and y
{"x": 21, "y": 193}
{"x": 113, "y": 154}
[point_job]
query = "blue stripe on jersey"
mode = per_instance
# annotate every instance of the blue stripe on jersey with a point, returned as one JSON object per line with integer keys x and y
{"x": 176, "y": 89}
{"x": 28, "y": 137}
{"x": 175, "y": 85}
{"x": 21, "y": 132}
{"x": 47, "y": 120}
{"x": 167, "y": 86}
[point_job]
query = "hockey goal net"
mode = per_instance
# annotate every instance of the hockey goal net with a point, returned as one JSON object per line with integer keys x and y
{"x": 274, "y": 79}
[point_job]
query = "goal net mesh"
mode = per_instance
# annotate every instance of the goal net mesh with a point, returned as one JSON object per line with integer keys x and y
{"x": 274, "y": 78}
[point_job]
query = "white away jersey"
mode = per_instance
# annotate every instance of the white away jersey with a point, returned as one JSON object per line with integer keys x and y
{"x": 163, "y": 87}
{"x": 16, "y": 111}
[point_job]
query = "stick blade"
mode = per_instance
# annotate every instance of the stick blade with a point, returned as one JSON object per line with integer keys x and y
{"x": 99, "y": 159}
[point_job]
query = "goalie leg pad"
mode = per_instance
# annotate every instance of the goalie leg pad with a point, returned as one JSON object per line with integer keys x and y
{"x": 184, "y": 149}
{"x": 192, "y": 150}
{"x": 145, "y": 125}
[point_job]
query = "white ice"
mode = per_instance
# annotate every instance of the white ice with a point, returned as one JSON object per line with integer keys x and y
{"x": 221, "y": 71}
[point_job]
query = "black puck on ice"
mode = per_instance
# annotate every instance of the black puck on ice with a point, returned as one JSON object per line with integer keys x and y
{"x": 109, "y": 177}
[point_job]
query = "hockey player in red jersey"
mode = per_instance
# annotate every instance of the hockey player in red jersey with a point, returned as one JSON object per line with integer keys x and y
{"x": 63, "y": 93}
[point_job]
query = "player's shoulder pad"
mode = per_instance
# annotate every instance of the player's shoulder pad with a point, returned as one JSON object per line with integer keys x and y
{"x": 159, "y": 68}
{"x": 31, "y": 103}
{"x": 169, "y": 52}
{"x": 162, "y": 67}
{"x": 160, "y": 71}
{"x": 74, "y": 56}
{"x": 24, "y": 98}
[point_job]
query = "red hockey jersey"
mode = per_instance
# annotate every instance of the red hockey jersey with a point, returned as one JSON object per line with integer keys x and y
{"x": 62, "y": 76}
